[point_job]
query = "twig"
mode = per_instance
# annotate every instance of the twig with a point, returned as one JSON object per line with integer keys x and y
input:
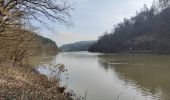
{"x": 85, "y": 97}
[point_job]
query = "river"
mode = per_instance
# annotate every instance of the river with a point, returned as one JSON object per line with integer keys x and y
{"x": 114, "y": 76}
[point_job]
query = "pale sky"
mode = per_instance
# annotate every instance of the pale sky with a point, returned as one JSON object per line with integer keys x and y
{"x": 93, "y": 17}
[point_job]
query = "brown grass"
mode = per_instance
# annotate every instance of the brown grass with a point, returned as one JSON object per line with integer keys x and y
{"x": 24, "y": 83}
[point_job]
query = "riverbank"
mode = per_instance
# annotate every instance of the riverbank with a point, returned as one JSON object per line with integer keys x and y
{"x": 25, "y": 83}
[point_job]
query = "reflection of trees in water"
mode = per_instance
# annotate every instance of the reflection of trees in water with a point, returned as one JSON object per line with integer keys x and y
{"x": 149, "y": 73}
{"x": 104, "y": 61}
{"x": 41, "y": 59}
{"x": 104, "y": 64}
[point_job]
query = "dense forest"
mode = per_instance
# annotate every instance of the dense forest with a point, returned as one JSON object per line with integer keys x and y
{"x": 148, "y": 31}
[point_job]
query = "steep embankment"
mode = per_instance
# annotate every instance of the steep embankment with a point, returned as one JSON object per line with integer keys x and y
{"x": 24, "y": 83}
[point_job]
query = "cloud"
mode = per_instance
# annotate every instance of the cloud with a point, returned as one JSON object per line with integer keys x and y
{"x": 92, "y": 17}
{"x": 65, "y": 38}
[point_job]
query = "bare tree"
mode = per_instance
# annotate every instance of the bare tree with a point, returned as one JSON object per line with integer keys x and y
{"x": 164, "y": 4}
{"x": 164, "y": 0}
{"x": 17, "y": 43}
{"x": 15, "y": 48}
{"x": 13, "y": 12}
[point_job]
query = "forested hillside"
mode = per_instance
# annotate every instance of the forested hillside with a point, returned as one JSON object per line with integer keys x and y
{"x": 78, "y": 46}
{"x": 19, "y": 43}
{"x": 148, "y": 31}
{"x": 48, "y": 46}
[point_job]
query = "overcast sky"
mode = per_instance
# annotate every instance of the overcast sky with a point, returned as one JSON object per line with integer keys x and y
{"x": 93, "y": 17}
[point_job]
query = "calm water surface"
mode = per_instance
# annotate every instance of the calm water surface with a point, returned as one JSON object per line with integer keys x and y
{"x": 115, "y": 76}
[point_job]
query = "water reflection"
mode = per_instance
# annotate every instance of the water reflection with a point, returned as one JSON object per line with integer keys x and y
{"x": 149, "y": 73}
{"x": 106, "y": 76}
{"x": 42, "y": 60}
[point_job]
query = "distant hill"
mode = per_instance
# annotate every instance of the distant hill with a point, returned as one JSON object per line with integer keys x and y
{"x": 77, "y": 46}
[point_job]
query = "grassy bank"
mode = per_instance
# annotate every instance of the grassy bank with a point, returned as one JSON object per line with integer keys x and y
{"x": 24, "y": 83}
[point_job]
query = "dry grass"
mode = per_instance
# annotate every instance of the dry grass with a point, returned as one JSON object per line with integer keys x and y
{"x": 24, "y": 83}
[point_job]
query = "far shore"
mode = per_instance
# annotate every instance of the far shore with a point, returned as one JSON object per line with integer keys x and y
{"x": 138, "y": 52}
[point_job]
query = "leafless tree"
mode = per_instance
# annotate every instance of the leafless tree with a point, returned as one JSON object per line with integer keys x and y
{"x": 13, "y": 12}
{"x": 164, "y": 4}
{"x": 15, "y": 48}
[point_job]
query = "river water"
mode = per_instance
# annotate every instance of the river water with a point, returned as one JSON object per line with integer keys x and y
{"x": 114, "y": 76}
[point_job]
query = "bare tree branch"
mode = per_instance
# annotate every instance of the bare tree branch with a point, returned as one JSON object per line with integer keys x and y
{"x": 15, "y": 11}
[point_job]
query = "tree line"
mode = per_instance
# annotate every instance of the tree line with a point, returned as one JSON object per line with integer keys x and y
{"x": 147, "y": 31}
